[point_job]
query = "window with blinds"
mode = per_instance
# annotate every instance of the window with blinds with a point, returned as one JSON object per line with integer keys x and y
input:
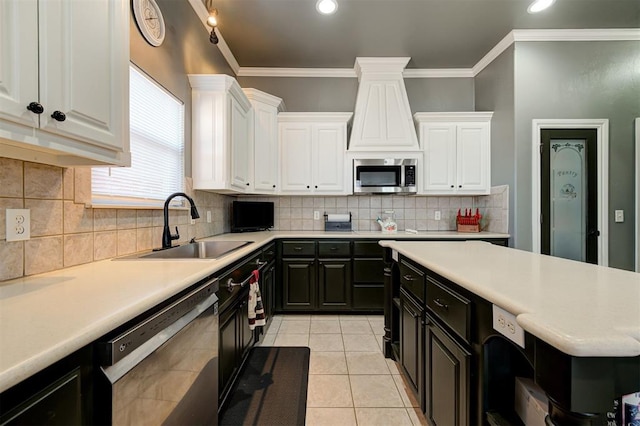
{"x": 157, "y": 149}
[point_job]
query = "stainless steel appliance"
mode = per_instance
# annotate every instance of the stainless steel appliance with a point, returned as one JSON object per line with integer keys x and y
{"x": 384, "y": 175}
{"x": 164, "y": 369}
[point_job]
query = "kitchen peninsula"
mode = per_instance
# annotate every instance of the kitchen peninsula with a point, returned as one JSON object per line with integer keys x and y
{"x": 579, "y": 325}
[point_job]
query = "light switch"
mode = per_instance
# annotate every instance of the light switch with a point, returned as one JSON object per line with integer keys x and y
{"x": 437, "y": 215}
{"x": 316, "y": 215}
{"x": 619, "y": 216}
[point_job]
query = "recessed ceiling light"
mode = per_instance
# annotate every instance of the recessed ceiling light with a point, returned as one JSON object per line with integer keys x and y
{"x": 327, "y": 7}
{"x": 539, "y": 5}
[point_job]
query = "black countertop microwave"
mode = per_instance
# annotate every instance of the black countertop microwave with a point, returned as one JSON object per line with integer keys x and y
{"x": 384, "y": 176}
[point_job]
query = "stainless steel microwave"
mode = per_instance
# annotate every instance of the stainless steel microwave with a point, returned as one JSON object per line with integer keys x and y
{"x": 385, "y": 176}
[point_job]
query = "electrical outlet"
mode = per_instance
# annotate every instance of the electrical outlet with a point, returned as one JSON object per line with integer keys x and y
{"x": 505, "y": 323}
{"x": 208, "y": 216}
{"x": 316, "y": 215}
{"x": 437, "y": 215}
{"x": 192, "y": 221}
{"x": 619, "y": 216}
{"x": 18, "y": 224}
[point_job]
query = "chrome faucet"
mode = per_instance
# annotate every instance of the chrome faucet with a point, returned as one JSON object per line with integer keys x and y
{"x": 167, "y": 237}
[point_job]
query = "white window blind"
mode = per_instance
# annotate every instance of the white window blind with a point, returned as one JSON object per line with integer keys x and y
{"x": 157, "y": 149}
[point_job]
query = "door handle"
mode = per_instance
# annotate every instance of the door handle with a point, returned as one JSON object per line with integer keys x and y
{"x": 408, "y": 277}
{"x": 593, "y": 232}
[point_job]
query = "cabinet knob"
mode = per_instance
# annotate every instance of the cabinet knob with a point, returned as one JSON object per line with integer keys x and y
{"x": 307, "y": 186}
{"x": 35, "y": 108}
{"x": 452, "y": 186}
{"x": 58, "y": 116}
{"x": 247, "y": 183}
{"x": 459, "y": 186}
{"x": 274, "y": 186}
{"x": 316, "y": 186}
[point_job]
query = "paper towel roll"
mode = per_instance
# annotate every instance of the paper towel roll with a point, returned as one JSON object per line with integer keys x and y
{"x": 338, "y": 217}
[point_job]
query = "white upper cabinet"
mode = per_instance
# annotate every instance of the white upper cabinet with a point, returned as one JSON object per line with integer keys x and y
{"x": 64, "y": 81}
{"x": 457, "y": 152}
{"x": 222, "y": 149}
{"x": 382, "y": 114}
{"x": 312, "y": 151}
{"x": 264, "y": 131}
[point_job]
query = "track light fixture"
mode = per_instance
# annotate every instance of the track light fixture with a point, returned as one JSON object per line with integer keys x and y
{"x": 212, "y": 21}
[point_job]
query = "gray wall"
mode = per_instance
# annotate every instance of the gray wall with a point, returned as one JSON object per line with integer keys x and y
{"x": 494, "y": 91}
{"x": 186, "y": 50}
{"x": 580, "y": 80}
{"x": 440, "y": 94}
{"x": 339, "y": 94}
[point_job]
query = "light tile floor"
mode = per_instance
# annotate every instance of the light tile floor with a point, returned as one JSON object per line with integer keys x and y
{"x": 350, "y": 381}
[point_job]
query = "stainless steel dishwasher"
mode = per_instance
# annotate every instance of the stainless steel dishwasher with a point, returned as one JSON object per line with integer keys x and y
{"x": 164, "y": 369}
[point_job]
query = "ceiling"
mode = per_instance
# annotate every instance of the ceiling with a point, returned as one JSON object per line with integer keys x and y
{"x": 434, "y": 33}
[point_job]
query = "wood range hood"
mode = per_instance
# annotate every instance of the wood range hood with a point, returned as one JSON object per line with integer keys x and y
{"x": 382, "y": 119}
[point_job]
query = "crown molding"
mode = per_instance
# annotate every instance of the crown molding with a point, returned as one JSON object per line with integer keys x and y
{"x": 349, "y": 72}
{"x": 599, "y": 34}
{"x": 474, "y": 116}
{"x": 265, "y": 98}
{"x": 438, "y": 73}
{"x": 203, "y": 14}
{"x": 296, "y": 72}
{"x": 322, "y": 117}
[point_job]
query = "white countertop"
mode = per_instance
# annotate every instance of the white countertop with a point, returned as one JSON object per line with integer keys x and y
{"x": 581, "y": 309}
{"x": 45, "y": 317}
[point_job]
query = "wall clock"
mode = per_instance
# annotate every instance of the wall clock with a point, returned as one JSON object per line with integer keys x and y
{"x": 150, "y": 21}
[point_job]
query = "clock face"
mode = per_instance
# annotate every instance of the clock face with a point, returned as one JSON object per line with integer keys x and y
{"x": 150, "y": 21}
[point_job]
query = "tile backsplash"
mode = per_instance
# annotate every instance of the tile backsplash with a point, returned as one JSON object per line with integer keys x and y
{"x": 66, "y": 231}
{"x": 412, "y": 212}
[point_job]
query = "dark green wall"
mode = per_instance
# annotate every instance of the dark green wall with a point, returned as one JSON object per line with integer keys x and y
{"x": 186, "y": 50}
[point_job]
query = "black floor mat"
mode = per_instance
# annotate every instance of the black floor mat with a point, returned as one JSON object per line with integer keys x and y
{"x": 271, "y": 388}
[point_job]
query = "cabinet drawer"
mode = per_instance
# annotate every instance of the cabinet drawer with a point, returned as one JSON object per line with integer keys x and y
{"x": 412, "y": 280}
{"x": 298, "y": 248}
{"x": 269, "y": 253}
{"x": 453, "y": 309}
{"x": 334, "y": 248}
{"x": 367, "y": 249}
{"x": 368, "y": 271}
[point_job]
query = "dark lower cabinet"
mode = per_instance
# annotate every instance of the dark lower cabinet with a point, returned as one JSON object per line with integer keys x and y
{"x": 268, "y": 289}
{"x": 412, "y": 343}
{"x": 298, "y": 284}
{"x": 334, "y": 282}
{"x": 368, "y": 275}
{"x": 447, "y": 377}
{"x": 235, "y": 338}
{"x": 57, "y": 404}
{"x": 228, "y": 348}
{"x": 61, "y": 394}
